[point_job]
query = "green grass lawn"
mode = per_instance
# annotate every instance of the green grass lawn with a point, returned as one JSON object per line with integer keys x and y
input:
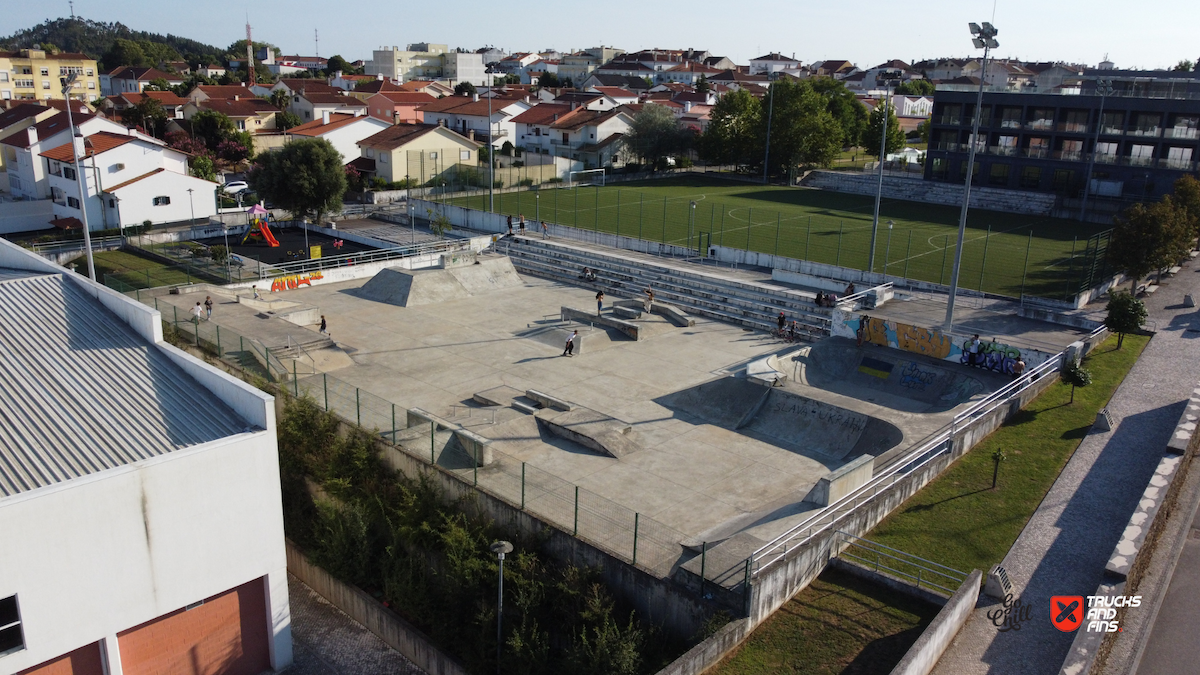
{"x": 958, "y": 520}
{"x": 823, "y": 226}
{"x": 134, "y": 271}
{"x": 838, "y": 624}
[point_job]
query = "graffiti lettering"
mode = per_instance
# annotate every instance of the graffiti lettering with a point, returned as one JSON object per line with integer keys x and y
{"x": 825, "y": 414}
{"x": 912, "y": 377}
{"x": 992, "y": 356}
{"x": 291, "y": 283}
{"x": 923, "y": 341}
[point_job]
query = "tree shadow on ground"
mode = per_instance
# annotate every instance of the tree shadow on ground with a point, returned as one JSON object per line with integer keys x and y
{"x": 925, "y": 507}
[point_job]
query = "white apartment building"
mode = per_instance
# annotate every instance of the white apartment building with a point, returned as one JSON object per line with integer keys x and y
{"x": 420, "y": 61}
{"x": 126, "y": 181}
{"x": 342, "y": 131}
{"x": 469, "y": 116}
{"x": 139, "y": 496}
{"x": 26, "y": 170}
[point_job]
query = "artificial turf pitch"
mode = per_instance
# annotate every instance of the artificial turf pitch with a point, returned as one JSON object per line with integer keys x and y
{"x": 826, "y": 227}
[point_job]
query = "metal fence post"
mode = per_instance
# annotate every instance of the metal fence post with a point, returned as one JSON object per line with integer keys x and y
{"x": 357, "y": 406}
{"x": 983, "y": 267}
{"x": 575, "y": 533}
{"x": 325, "y": 388}
{"x": 807, "y": 238}
{"x": 749, "y": 226}
{"x": 841, "y": 230}
{"x": 945, "y": 248}
{"x": 746, "y": 586}
{"x": 220, "y": 353}
{"x": 522, "y": 486}
{"x": 908, "y": 254}
{"x": 778, "y": 215}
{"x": 432, "y": 434}
{"x": 176, "y": 312}
{"x": 295, "y": 380}
{"x": 636, "y": 520}
{"x": 1025, "y": 271}
{"x": 641, "y": 203}
{"x": 703, "y": 554}
{"x": 618, "y": 212}
{"x": 475, "y": 464}
{"x": 393, "y": 423}
{"x": 664, "y": 222}
{"x": 723, "y": 209}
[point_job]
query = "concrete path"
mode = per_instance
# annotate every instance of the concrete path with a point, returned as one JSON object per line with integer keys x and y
{"x": 1065, "y": 546}
{"x": 327, "y": 642}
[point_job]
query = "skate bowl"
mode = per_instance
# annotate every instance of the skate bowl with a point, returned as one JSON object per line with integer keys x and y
{"x": 888, "y": 377}
{"x": 409, "y": 288}
{"x": 821, "y": 430}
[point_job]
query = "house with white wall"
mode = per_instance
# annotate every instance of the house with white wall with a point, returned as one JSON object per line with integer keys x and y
{"x": 774, "y": 62}
{"x": 150, "y": 526}
{"x": 128, "y": 79}
{"x": 469, "y": 115}
{"x": 420, "y": 152}
{"x": 126, "y": 181}
{"x": 575, "y": 133}
{"x": 25, "y": 168}
{"x": 309, "y": 106}
{"x": 342, "y": 131}
{"x": 398, "y": 106}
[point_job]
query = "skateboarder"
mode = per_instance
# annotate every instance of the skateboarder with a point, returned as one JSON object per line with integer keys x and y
{"x": 599, "y": 302}
{"x": 570, "y": 348}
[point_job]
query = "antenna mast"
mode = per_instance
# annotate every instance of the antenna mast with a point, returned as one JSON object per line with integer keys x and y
{"x": 316, "y": 42}
{"x": 72, "y": 4}
{"x": 249, "y": 54}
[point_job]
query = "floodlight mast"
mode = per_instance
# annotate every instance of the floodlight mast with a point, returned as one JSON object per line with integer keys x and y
{"x": 68, "y": 83}
{"x": 985, "y": 40}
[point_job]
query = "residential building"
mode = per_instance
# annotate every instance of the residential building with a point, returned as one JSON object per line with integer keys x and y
{"x": 576, "y": 67}
{"x": 365, "y": 90}
{"x": 688, "y": 73}
{"x": 534, "y": 72}
{"x": 126, "y": 181}
{"x": 398, "y": 106}
{"x": 14, "y": 121}
{"x": 341, "y": 130}
{"x": 772, "y": 63}
{"x": 1149, "y": 135}
{"x": 720, "y": 63}
{"x": 433, "y": 88}
{"x": 247, "y": 114}
{"x": 1047, "y": 76}
{"x": 22, "y": 151}
{"x": 617, "y": 95}
{"x": 625, "y": 69}
{"x": 211, "y": 71}
{"x": 513, "y": 63}
{"x": 263, "y": 55}
{"x": 469, "y": 115}
{"x": 172, "y": 104}
{"x": 940, "y": 69}
{"x": 204, "y": 92}
{"x": 1000, "y": 73}
{"x": 835, "y": 68}
{"x": 635, "y": 84}
{"x": 350, "y": 82}
{"x": 492, "y": 55}
{"x": 129, "y": 79}
{"x": 458, "y": 67}
{"x": 590, "y": 136}
{"x": 296, "y": 85}
{"x": 33, "y": 74}
{"x": 737, "y": 80}
{"x": 418, "y": 61}
{"x": 422, "y": 152}
{"x": 142, "y": 485}
{"x": 587, "y": 99}
{"x": 311, "y": 63}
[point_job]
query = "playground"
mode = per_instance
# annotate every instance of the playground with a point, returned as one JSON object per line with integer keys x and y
{"x": 293, "y": 244}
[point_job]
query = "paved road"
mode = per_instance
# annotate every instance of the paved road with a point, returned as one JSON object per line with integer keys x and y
{"x": 1065, "y": 546}
{"x": 1172, "y": 645}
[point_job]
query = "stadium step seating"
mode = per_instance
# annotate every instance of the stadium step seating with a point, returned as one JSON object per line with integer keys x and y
{"x": 745, "y": 303}
{"x": 933, "y": 192}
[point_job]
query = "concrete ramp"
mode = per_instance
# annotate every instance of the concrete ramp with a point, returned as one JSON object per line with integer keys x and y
{"x": 409, "y": 288}
{"x": 593, "y": 430}
{"x": 723, "y": 402}
{"x": 814, "y": 426}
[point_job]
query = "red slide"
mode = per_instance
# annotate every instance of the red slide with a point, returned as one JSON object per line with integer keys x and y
{"x": 266, "y": 233}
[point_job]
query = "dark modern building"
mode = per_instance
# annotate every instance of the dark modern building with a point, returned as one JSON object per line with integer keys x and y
{"x": 1147, "y": 136}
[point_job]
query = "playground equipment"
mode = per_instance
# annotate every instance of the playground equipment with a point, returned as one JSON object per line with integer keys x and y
{"x": 259, "y": 230}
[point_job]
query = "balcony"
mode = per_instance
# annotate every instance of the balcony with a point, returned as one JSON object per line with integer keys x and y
{"x": 1037, "y": 153}
{"x": 1102, "y": 158}
{"x": 1072, "y": 127}
{"x": 1138, "y": 161}
{"x": 1110, "y": 130}
{"x": 1145, "y": 132}
{"x": 1003, "y": 150}
{"x": 1177, "y": 164}
{"x": 951, "y": 120}
{"x": 1010, "y": 124}
{"x": 1181, "y": 132}
{"x": 950, "y": 147}
{"x": 1040, "y": 125}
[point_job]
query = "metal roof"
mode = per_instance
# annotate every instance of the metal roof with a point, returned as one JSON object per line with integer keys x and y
{"x": 81, "y": 392}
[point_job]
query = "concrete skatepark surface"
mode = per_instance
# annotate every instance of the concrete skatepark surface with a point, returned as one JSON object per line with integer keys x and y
{"x": 696, "y": 470}
{"x": 407, "y": 288}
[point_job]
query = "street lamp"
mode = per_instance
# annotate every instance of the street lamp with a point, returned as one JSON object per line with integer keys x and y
{"x": 228, "y": 253}
{"x": 691, "y": 223}
{"x": 984, "y": 39}
{"x": 770, "y": 113}
{"x": 500, "y": 548}
{"x": 67, "y": 83}
{"x": 192, "y": 206}
{"x": 537, "y": 207}
{"x": 491, "y": 158}
{"x": 887, "y": 108}
{"x": 1105, "y": 89}
{"x": 887, "y": 254}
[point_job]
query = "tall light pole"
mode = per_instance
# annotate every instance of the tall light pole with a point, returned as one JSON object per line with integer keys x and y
{"x": 770, "y": 113}
{"x": 500, "y": 548}
{"x": 80, "y": 177}
{"x": 888, "y": 253}
{"x": 228, "y": 254}
{"x": 192, "y": 206}
{"x": 491, "y": 159}
{"x": 691, "y": 223}
{"x": 984, "y": 39}
{"x": 887, "y": 110}
{"x": 1105, "y": 89}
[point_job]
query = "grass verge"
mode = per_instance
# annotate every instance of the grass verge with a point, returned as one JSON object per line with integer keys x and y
{"x": 958, "y": 520}
{"x": 134, "y": 271}
{"x": 838, "y": 624}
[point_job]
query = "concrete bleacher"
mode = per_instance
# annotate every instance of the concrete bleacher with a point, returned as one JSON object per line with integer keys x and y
{"x": 933, "y": 192}
{"x": 746, "y": 303}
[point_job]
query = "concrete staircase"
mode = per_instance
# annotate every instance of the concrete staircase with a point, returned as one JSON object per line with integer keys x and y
{"x": 745, "y": 303}
{"x": 933, "y": 192}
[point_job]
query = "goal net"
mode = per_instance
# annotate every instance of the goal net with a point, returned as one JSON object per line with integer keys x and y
{"x": 586, "y": 178}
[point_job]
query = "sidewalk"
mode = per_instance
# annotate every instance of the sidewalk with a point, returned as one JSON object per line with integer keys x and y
{"x": 1066, "y": 544}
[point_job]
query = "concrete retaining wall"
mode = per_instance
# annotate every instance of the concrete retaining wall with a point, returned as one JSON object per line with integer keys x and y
{"x": 358, "y": 605}
{"x": 628, "y": 328}
{"x": 841, "y": 482}
{"x": 925, "y": 652}
{"x": 710, "y": 652}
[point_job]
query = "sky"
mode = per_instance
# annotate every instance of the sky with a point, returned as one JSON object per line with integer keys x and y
{"x": 1146, "y": 34}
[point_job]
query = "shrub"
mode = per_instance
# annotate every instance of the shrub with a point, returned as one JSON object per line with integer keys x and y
{"x": 525, "y": 182}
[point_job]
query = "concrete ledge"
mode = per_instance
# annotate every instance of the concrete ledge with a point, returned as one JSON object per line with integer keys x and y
{"x": 548, "y": 401}
{"x": 418, "y": 416}
{"x": 842, "y": 481}
{"x": 627, "y": 313}
{"x": 1086, "y": 645}
{"x": 1187, "y": 425}
{"x": 765, "y": 371}
{"x": 925, "y": 652}
{"x": 571, "y": 314}
{"x": 707, "y": 654}
{"x": 388, "y": 625}
{"x": 476, "y": 446}
{"x": 673, "y": 314}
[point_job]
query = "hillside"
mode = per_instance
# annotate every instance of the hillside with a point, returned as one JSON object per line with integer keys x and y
{"x": 95, "y": 39}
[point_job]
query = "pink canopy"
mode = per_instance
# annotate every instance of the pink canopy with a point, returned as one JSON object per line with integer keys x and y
{"x": 257, "y": 210}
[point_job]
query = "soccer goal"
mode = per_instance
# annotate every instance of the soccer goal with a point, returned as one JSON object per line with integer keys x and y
{"x": 586, "y": 178}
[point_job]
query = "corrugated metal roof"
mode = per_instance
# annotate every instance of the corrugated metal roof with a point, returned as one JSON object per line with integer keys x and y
{"x": 81, "y": 392}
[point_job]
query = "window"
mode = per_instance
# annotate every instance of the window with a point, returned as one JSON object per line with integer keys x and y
{"x": 998, "y": 175}
{"x": 3, "y": 76}
{"x": 28, "y": 84}
{"x": 45, "y": 84}
{"x": 45, "y": 72}
{"x": 1064, "y": 179}
{"x": 112, "y": 203}
{"x": 27, "y": 70}
{"x": 241, "y": 124}
{"x": 11, "y": 639}
{"x": 72, "y": 202}
{"x": 162, "y": 201}
{"x": 68, "y": 173}
{"x": 6, "y": 95}
{"x": 1031, "y": 177}
{"x": 370, "y": 153}
{"x": 433, "y": 155}
{"x": 464, "y": 155}
{"x": 940, "y": 170}
{"x": 383, "y": 158}
{"x": 91, "y": 85}
{"x": 91, "y": 72}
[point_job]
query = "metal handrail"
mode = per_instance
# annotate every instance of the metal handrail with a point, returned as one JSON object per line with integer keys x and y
{"x": 304, "y": 351}
{"x": 904, "y": 558}
{"x": 364, "y": 257}
{"x": 855, "y": 297}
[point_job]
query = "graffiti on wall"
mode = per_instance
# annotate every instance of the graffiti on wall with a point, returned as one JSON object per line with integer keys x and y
{"x": 291, "y": 283}
{"x": 992, "y": 356}
{"x": 915, "y": 339}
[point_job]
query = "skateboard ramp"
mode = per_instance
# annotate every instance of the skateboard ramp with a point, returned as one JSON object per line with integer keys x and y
{"x": 409, "y": 288}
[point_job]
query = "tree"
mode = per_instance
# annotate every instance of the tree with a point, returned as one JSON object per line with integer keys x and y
{"x": 148, "y": 113}
{"x": 464, "y": 89}
{"x": 337, "y": 63}
{"x": 845, "y": 107}
{"x": 306, "y": 177}
{"x": 1126, "y": 314}
{"x": 1076, "y": 375}
{"x": 1184, "y": 65}
{"x": 1148, "y": 237}
{"x": 49, "y": 48}
{"x": 203, "y": 168}
{"x": 212, "y": 127}
{"x": 732, "y": 133}
{"x": 280, "y": 99}
{"x": 549, "y": 80}
{"x": 874, "y": 131}
{"x": 654, "y": 134}
{"x": 915, "y": 88}
{"x": 235, "y": 149}
{"x": 124, "y": 53}
{"x": 923, "y": 132}
{"x": 702, "y": 84}
{"x": 1186, "y": 196}
{"x": 190, "y": 82}
{"x": 285, "y": 120}
{"x": 803, "y": 131}
{"x": 159, "y": 84}
{"x": 180, "y": 140}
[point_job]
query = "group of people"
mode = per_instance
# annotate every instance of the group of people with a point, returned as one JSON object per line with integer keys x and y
{"x": 521, "y": 226}
{"x": 203, "y": 311}
{"x": 826, "y": 299}
{"x": 787, "y": 330}
{"x": 588, "y": 274}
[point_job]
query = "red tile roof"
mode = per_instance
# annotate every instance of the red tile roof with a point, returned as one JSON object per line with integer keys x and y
{"x": 362, "y": 164}
{"x": 615, "y": 92}
{"x": 692, "y": 67}
{"x": 224, "y": 91}
{"x": 69, "y": 223}
{"x": 407, "y": 96}
{"x": 397, "y": 135}
{"x": 542, "y": 114}
{"x": 246, "y": 107}
{"x": 375, "y": 86}
{"x": 99, "y": 142}
{"x": 464, "y": 105}
{"x": 163, "y": 97}
{"x": 47, "y": 128}
{"x": 21, "y": 112}
{"x": 142, "y": 74}
{"x": 326, "y": 98}
{"x": 318, "y": 127}
{"x": 309, "y": 85}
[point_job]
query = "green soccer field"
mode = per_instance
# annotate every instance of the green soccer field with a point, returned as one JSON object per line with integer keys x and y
{"x": 828, "y": 227}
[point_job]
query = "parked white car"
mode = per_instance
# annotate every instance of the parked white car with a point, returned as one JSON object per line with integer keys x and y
{"x": 236, "y": 187}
